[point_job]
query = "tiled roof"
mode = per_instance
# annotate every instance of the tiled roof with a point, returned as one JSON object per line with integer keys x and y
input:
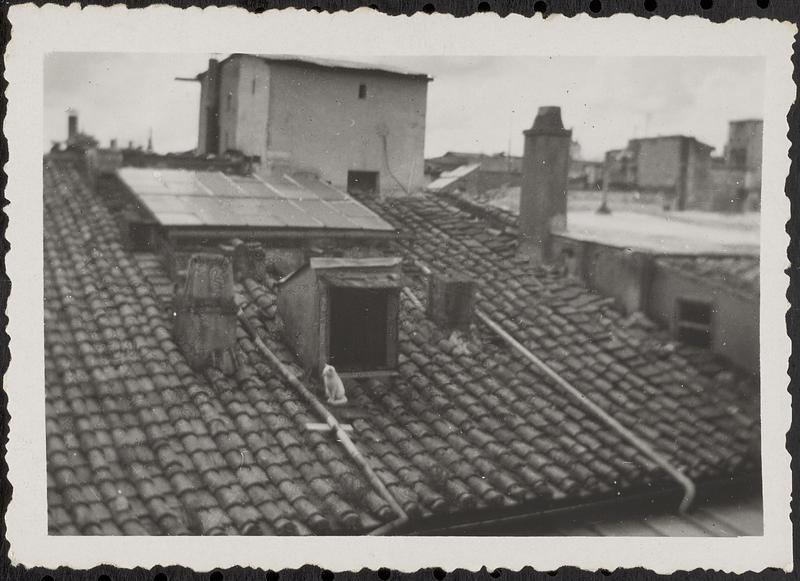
{"x": 138, "y": 443}
{"x": 738, "y": 272}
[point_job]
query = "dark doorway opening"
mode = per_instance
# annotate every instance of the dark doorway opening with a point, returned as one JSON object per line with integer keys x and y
{"x": 358, "y": 329}
{"x": 362, "y": 182}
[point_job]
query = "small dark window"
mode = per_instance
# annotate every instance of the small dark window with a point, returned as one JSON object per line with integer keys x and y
{"x": 254, "y": 85}
{"x": 738, "y": 158}
{"x": 230, "y": 100}
{"x": 362, "y": 91}
{"x": 693, "y": 322}
{"x": 362, "y": 182}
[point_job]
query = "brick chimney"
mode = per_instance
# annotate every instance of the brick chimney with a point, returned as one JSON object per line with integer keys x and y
{"x": 543, "y": 194}
{"x": 205, "y": 313}
{"x": 72, "y": 124}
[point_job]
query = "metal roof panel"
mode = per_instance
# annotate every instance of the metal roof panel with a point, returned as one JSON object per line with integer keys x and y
{"x": 217, "y": 199}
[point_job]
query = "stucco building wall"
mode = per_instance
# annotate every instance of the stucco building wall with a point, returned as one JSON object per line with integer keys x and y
{"x": 311, "y": 118}
{"x": 637, "y": 282}
{"x": 735, "y": 316}
{"x": 318, "y": 119}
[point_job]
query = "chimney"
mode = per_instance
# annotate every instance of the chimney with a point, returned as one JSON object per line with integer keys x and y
{"x": 72, "y": 124}
{"x": 249, "y": 260}
{"x": 543, "y": 194}
{"x": 112, "y": 144}
{"x": 451, "y": 300}
{"x": 205, "y": 313}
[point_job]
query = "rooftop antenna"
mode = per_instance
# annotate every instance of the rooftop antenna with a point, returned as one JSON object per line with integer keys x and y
{"x": 647, "y": 117}
{"x": 510, "y": 131}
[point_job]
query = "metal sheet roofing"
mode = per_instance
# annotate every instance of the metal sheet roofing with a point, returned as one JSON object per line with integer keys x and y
{"x": 449, "y": 177}
{"x": 181, "y": 198}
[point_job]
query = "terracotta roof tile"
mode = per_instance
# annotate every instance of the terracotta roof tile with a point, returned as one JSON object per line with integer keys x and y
{"x": 138, "y": 443}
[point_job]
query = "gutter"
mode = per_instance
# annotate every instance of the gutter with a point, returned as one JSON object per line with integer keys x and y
{"x": 549, "y": 518}
{"x": 644, "y": 447}
{"x": 336, "y": 428}
{"x": 689, "y": 488}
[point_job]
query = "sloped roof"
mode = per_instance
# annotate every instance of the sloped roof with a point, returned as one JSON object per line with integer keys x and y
{"x": 329, "y": 63}
{"x": 179, "y": 197}
{"x": 138, "y": 443}
{"x": 448, "y": 178}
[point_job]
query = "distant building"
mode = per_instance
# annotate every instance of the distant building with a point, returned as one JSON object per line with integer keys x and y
{"x": 359, "y": 127}
{"x": 620, "y": 169}
{"x": 743, "y": 155}
{"x": 677, "y": 166}
{"x": 743, "y": 150}
{"x": 475, "y": 173}
{"x": 583, "y": 174}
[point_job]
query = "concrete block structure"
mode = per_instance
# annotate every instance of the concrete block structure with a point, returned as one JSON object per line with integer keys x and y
{"x": 358, "y": 127}
{"x": 678, "y": 166}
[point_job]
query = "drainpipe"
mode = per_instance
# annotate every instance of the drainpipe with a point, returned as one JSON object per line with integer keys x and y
{"x": 645, "y": 448}
{"x": 633, "y": 439}
{"x": 336, "y": 427}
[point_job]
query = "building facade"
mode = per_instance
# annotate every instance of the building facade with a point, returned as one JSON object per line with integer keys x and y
{"x": 743, "y": 153}
{"x": 678, "y": 166}
{"x": 491, "y": 172}
{"x": 355, "y": 126}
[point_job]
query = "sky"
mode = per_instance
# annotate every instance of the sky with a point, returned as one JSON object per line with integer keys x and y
{"x": 479, "y": 104}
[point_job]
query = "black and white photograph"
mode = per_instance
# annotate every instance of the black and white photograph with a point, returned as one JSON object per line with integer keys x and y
{"x": 311, "y": 294}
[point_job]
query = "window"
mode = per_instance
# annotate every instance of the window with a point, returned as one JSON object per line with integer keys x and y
{"x": 738, "y": 158}
{"x": 693, "y": 322}
{"x": 230, "y": 100}
{"x": 362, "y": 91}
{"x": 253, "y": 91}
{"x": 362, "y": 182}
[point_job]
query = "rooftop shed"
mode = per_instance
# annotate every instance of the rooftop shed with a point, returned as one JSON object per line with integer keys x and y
{"x": 343, "y": 312}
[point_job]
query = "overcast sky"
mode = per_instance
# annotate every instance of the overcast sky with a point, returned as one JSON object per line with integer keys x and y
{"x": 479, "y": 104}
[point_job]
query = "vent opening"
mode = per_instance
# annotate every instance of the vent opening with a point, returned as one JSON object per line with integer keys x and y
{"x": 694, "y": 321}
{"x": 358, "y": 328}
{"x": 362, "y": 182}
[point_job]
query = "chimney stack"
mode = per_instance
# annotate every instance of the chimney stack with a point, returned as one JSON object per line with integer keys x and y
{"x": 543, "y": 194}
{"x": 205, "y": 324}
{"x": 451, "y": 300}
{"x": 248, "y": 258}
{"x": 72, "y": 124}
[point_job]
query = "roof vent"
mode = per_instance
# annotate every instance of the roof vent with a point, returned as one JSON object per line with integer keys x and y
{"x": 205, "y": 313}
{"x": 451, "y": 300}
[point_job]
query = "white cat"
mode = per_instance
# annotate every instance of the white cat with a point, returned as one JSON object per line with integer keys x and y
{"x": 334, "y": 388}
